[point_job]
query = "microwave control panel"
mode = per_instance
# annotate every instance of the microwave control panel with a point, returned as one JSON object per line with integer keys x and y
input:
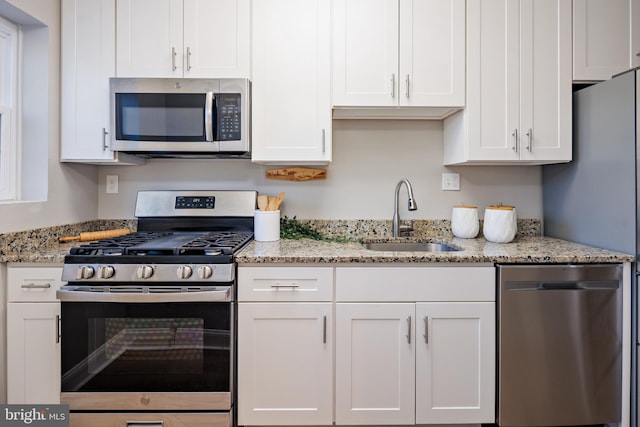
{"x": 228, "y": 108}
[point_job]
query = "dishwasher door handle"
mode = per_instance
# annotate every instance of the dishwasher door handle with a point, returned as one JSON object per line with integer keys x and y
{"x": 561, "y": 286}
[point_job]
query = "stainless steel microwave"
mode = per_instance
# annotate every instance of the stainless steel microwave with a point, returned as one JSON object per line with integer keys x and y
{"x": 162, "y": 117}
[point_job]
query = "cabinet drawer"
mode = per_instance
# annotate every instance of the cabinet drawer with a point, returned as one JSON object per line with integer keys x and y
{"x": 285, "y": 284}
{"x": 411, "y": 284}
{"x": 33, "y": 284}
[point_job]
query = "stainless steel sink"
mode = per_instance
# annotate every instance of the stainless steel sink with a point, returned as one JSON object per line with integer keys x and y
{"x": 410, "y": 246}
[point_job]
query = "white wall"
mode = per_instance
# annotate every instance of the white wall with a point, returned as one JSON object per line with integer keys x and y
{"x": 369, "y": 158}
{"x": 71, "y": 194}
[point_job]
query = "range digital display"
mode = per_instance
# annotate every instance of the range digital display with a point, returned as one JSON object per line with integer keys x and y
{"x": 194, "y": 202}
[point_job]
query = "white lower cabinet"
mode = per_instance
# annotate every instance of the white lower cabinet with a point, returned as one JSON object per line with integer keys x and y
{"x": 285, "y": 349}
{"x": 455, "y": 362}
{"x": 33, "y": 344}
{"x": 413, "y": 345}
{"x": 412, "y": 362}
{"x": 375, "y": 364}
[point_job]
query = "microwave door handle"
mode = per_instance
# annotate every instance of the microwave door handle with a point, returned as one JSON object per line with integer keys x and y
{"x": 208, "y": 116}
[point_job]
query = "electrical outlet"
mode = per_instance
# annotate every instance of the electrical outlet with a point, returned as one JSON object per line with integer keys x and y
{"x": 112, "y": 184}
{"x": 451, "y": 181}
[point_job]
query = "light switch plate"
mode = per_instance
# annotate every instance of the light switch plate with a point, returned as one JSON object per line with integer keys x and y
{"x": 451, "y": 181}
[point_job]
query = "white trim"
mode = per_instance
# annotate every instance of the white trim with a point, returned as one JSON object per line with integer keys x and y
{"x": 10, "y": 46}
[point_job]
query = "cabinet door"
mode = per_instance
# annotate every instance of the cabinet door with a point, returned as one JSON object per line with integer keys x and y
{"x": 33, "y": 353}
{"x": 635, "y": 33}
{"x": 493, "y": 101}
{"x": 601, "y": 39}
{"x": 365, "y": 53}
{"x": 285, "y": 364}
{"x": 455, "y": 363}
{"x": 216, "y": 38}
{"x": 291, "y": 105}
{"x": 432, "y": 53}
{"x": 88, "y": 60}
{"x": 375, "y": 364}
{"x": 518, "y": 107}
{"x": 545, "y": 81}
{"x": 149, "y": 38}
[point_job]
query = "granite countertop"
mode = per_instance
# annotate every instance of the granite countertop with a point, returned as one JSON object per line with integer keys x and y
{"x": 41, "y": 246}
{"x": 525, "y": 249}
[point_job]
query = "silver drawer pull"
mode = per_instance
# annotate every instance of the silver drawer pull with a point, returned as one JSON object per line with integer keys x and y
{"x": 145, "y": 423}
{"x": 35, "y": 286}
{"x": 290, "y": 286}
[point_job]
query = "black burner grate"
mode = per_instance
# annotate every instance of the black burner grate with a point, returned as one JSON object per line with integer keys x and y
{"x": 209, "y": 243}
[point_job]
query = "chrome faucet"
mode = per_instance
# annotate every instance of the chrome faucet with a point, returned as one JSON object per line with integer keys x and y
{"x": 395, "y": 224}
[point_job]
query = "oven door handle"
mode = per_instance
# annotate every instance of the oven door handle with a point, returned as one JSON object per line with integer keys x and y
{"x": 69, "y": 294}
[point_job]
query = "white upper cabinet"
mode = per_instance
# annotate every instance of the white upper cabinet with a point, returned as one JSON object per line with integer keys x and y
{"x": 606, "y": 38}
{"x": 183, "y": 38}
{"x": 87, "y": 62}
{"x": 518, "y": 107}
{"x": 399, "y": 53}
{"x": 291, "y": 101}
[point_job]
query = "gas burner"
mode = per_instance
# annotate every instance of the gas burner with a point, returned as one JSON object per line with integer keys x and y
{"x": 217, "y": 242}
{"x": 183, "y": 236}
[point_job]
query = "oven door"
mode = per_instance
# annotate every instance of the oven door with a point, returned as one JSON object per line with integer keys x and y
{"x": 147, "y": 355}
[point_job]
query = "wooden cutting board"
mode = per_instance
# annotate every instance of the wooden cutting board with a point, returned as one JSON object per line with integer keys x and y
{"x": 296, "y": 174}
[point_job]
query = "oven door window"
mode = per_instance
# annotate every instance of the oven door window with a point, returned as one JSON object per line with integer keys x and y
{"x": 150, "y": 347}
{"x": 161, "y": 117}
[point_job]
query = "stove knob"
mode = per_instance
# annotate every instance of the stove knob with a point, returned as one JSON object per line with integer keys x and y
{"x": 184, "y": 272}
{"x": 144, "y": 272}
{"x": 85, "y": 272}
{"x": 106, "y": 271}
{"x": 205, "y": 272}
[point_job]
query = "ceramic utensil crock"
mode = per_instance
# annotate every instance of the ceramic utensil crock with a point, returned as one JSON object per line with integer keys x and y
{"x": 500, "y": 224}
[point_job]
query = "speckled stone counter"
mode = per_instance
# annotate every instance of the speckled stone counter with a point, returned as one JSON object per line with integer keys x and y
{"x": 525, "y": 249}
{"x": 41, "y": 245}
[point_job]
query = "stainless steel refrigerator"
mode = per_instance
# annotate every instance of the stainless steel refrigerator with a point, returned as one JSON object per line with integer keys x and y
{"x": 595, "y": 199}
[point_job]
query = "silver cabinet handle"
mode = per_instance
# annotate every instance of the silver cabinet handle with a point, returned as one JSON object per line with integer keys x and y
{"x": 188, "y": 58}
{"x": 324, "y": 330}
{"x": 323, "y": 140}
{"x": 409, "y": 329}
{"x": 426, "y": 330}
{"x": 173, "y": 58}
{"x": 292, "y": 286}
{"x": 514, "y": 134}
{"x": 104, "y": 139}
{"x": 35, "y": 286}
{"x": 407, "y": 84}
{"x": 529, "y": 140}
{"x": 58, "y": 320}
{"x": 393, "y": 85}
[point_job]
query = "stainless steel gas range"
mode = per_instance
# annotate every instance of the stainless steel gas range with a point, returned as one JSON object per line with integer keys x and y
{"x": 148, "y": 319}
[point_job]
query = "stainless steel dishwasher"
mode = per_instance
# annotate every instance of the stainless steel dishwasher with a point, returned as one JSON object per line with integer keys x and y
{"x": 559, "y": 344}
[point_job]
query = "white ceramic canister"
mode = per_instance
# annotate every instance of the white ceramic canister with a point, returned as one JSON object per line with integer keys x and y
{"x": 500, "y": 224}
{"x": 464, "y": 221}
